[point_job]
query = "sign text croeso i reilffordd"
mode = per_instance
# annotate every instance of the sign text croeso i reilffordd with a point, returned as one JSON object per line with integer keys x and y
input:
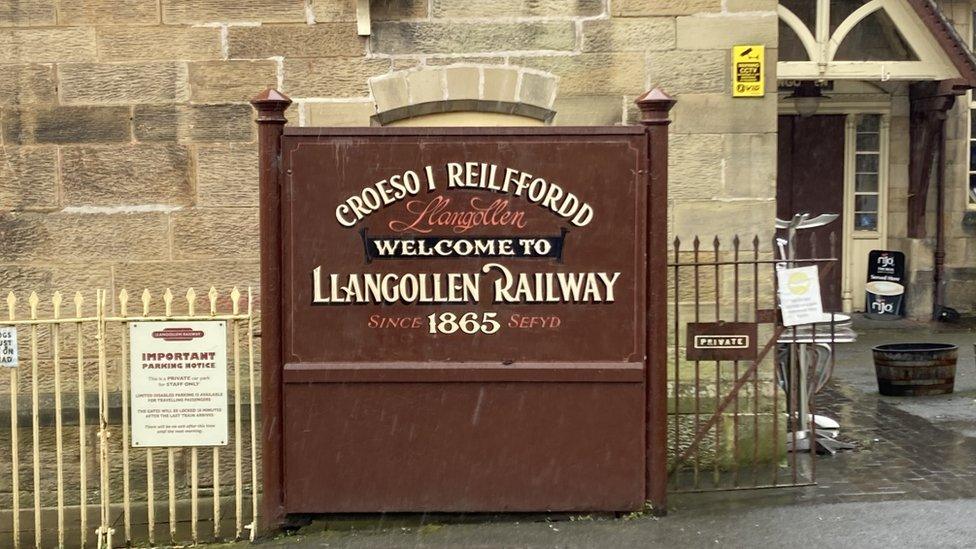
{"x": 433, "y": 224}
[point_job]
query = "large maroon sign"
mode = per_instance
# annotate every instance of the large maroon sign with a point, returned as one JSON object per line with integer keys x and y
{"x": 462, "y": 319}
{"x": 439, "y": 249}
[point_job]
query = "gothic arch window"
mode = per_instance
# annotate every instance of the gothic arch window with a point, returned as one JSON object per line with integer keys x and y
{"x": 858, "y": 39}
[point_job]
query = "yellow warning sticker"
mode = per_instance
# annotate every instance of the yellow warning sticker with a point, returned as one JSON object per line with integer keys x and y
{"x": 748, "y": 78}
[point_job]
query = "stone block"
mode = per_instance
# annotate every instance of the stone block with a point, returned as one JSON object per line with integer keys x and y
{"x": 108, "y": 12}
{"x": 216, "y": 233}
{"x": 517, "y": 8}
{"x": 64, "y": 125}
{"x": 28, "y": 178}
{"x": 89, "y": 236}
{"x": 158, "y": 43}
{"x": 189, "y": 12}
{"x": 751, "y": 5}
{"x": 194, "y": 123}
{"x": 331, "y": 77}
{"x": 227, "y": 175}
{"x": 230, "y": 81}
{"x": 426, "y": 85}
{"x": 640, "y": 8}
{"x": 721, "y": 113}
{"x": 592, "y": 73}
{"x": 588, "y": 110}
{"x": 626, "y": 34}
{"x": 339, "y": 114}
{"x": 379, "y": 10}
{"x": 463, "y": 82}
{"x": 47, "y": 45}
{"x": 390, "y": 92}
{"x": 695, "y": 166}
{"x": 28, "y": 13}
{"x": 712, "y": 33}
{"x": 322, "y": 40}
{"x": 684, "y": 71}
{"x": 200, "y": 275}
{"x": 750, "y": 165}
{"x": 725, "y": 219}
{"x": 500, "y": 84}
{"x": 463, "y": 60}
{"x": 122, "y": 83}
{"x": 27, "y": 84}
{"x": 133, "y": 174}
{"x": 537, "y": 89}
{"x": 465, "y": 37}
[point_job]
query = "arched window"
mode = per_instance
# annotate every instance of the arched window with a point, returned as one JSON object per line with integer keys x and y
{"x": 858, "y": 39}
{"x": 464, "y": 95}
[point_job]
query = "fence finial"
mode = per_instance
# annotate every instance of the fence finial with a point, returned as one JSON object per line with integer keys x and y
{"x": 212, "y": 294}
{"x": 655, "y": 106}
{"x": 56, "y": 302}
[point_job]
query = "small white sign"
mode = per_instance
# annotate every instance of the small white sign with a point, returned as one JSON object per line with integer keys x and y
{"x": 8, "y": 347}
{"x": 178, "y": 383}
{"x": 799, "y": 295}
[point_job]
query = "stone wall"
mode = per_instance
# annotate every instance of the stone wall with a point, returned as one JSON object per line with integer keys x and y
{"x": 128, "y": 155}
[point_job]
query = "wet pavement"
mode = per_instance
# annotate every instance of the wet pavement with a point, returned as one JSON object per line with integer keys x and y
{"x": 911, "y": 481}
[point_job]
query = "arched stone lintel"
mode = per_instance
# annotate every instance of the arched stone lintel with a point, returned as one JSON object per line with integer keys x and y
{"x": 481, "y": 88}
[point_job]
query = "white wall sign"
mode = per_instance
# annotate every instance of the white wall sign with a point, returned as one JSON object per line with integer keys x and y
{"x": 8, "y": 347}
{"x": 178, "y": 383}
{"x": 799, "y": 295}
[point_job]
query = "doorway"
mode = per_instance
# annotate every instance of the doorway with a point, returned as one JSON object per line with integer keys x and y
{"x": 810, "y": 179}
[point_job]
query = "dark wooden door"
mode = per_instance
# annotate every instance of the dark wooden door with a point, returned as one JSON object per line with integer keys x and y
{"x": 810, "y": 164}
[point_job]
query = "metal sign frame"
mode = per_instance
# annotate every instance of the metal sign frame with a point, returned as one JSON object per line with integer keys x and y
{"x": 649, "y": 145}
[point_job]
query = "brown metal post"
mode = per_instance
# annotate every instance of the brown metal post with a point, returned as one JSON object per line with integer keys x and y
{"x": 655, "y": 107}
{"x": 271, "y": 105}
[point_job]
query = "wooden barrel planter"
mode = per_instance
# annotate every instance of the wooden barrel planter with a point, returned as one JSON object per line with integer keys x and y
{"x": 914, "y": 369}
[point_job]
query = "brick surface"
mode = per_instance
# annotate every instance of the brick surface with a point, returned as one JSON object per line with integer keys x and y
{"x": 205, "y": 11}
{"x": 464, "y": 37}
{"x": 685, "y": 71}
{"x": 215, "y": 233}
{"x": 230, "y": 81}
{"x": 322, "y": 40}
{"x": 379, "y": 10}
{"x": 708, "y": 33}
{"x": 47, "y": 45}
{"x": 108, "y": 12}
{"x": 122, "y": 83}
{"x": 331, "y": 77}
{"x": 608, "y": 35}
{"x": 194, "y": 123}
{"x": 159, "y": 275}
{"x": 27, "y": 13}
{"x": 630, "y": 8}
{"x": 158, "y": 43}
{"x": 227, "y": 175}
{"x": 517, "y": 8}
{"x": 134, "y": 174}
{"x": 588, "y": 110}
{"x": 95, "y": 236}
{"x": 28, "y": 178}
{"x": 65, "y": 125}
{"x": 27, "y": 84}
{"x": 617, "y": 73}
{"x": 726, "y": 114}
{"x": 694, "y": 166}
{"x": 339, "y": 114}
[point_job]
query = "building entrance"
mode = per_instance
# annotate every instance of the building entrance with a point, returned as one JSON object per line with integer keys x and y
{"x": 810, "y": 179}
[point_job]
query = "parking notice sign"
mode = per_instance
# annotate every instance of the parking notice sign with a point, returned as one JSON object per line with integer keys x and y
{"x": 178, "y": 383}
{"x": 748, "y": 79}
